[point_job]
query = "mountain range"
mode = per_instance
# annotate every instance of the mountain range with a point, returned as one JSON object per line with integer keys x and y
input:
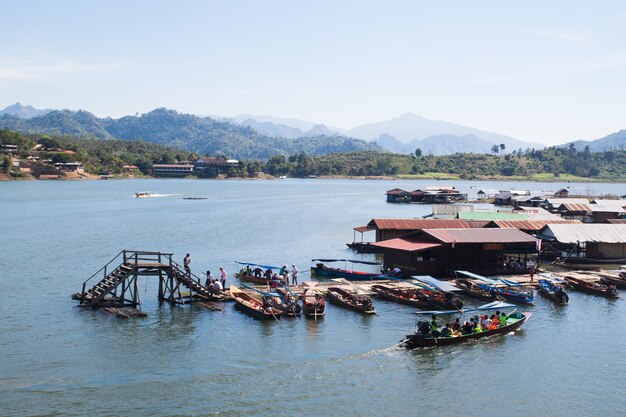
{"x": 251, "y": 136}
{"x": 203, "y": 135}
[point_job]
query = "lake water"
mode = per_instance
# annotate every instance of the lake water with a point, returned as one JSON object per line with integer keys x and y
{"x": 57, "y": 359}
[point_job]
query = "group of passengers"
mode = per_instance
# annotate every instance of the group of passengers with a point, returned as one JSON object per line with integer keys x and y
{"x": 475, "y": 324}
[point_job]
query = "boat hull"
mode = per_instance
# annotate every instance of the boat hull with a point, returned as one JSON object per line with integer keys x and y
{"x": 619, "y": 283}
{"x": 415, "y": 340}
{"x": 345, "y": 273}
{"x": 339, "y": 297}
{"x": 590, "y": 289}
{"x": 390, "y": 294}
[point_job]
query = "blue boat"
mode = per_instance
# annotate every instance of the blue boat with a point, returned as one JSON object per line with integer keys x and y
{"x": 553, "y": 292}
{"x": 493, "y": 287}
{"x": 322, "y": 270}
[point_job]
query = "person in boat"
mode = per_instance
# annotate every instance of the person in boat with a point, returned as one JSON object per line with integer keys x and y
{"x": 247, "y": 271}
{"x": 319, "y": 299}
{"x": 434, "y": 327}
{"x": 294, "y": 275}
{"x": 424, "y": 328}
{"x": 258, "y": 272}
{"x": 283, "y": 270}
{"x": 396, "y": 272}
{"x": 486, "y": 323}
{"x": 268, "y": 274}
{"x": 467, "y": 327}
{"x": 477, "y": 327}
{"x": 493, "y": 325}
{"x": 446, "y": 331}
{"x": 209, "y": 279}
{"x": 496, "y": 319}
{"x": 456, "y": 326}
{"x": 186, "y": 263}
{"x": 502, "y": 319}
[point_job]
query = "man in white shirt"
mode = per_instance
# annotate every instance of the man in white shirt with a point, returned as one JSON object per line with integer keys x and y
{"x": 294, "y": 275}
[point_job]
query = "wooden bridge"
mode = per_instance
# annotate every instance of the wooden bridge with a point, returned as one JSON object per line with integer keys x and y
{"x": 116, "y": 283}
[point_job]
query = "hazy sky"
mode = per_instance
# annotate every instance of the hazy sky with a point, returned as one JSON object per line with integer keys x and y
{"x": 547, "y": 71}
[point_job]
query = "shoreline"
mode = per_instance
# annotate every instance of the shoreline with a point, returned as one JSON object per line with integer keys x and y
{"x": 443, "y": 177}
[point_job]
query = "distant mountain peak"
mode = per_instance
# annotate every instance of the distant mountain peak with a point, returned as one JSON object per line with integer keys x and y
{"x": 23, "y": 112}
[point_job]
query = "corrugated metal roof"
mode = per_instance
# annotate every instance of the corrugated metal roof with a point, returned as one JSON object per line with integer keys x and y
{"x": 396, "y": 191}
{"x": 534, "y": 225}
{"x": 362, "y": 229}
{"x": 558, "y": 201}
{"x": 614, "y": 206}
{"x": 572, "y": 233}
{"x": 575, "y": 207}
{"x": 405, "y": 244}
{"x": 491, "y": 215}
{"x": 480, "y": 235}
{"x": 416, "y": 224}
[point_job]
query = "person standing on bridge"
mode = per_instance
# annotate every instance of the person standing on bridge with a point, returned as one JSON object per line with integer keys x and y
{"x": 209, "y": 280}
{"x": 294, "y": 275}
{"x": 186, "y": 263}
{"x": 223, "y": 276}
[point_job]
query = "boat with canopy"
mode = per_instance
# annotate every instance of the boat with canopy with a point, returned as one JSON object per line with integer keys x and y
{"x": 320, "y": 269}
{"x": 501, "y": 288}
{"x": 423, "y": 336}
{"x": 285, "y": 301}
{"x": 259, "y": 273}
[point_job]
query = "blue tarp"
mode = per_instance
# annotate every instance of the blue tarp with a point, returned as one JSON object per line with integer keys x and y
{"x": 480, "y": 277}
{"x": 262, "y": 266}
{"x": 496, "y": 305}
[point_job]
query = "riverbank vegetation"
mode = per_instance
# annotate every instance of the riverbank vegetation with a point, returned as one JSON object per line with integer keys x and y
{"x": 110, "y": 157}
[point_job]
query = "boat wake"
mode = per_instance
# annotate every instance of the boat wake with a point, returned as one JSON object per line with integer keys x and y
{"x": 155, "y": 195}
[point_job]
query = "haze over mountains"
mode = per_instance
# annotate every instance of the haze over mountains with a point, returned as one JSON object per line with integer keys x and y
{"x": 250, "y": 136}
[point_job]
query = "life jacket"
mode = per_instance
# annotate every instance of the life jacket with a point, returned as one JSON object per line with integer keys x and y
{"x": 502, "y": 320}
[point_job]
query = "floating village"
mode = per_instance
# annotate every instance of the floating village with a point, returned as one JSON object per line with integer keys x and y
{"x": 466, "y": 270}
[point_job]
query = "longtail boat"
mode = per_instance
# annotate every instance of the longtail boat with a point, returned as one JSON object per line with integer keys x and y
{"x": 501, "y": 288}
{"x": 440, "y": 294}
{"x": 313, "y": 303}
{"x": 423, "y": 336}
{"x": 265, "y": 278}
{"x": 261, "y": 309}
{"x": 474, "y": 291}
{"x": 350, "y": 300}
{"x": 608, "y": 291}
{"x": 281, "y": 300}
{"x": 553, "y": 292}
{"x": 408, "y": 296}
{"x": 619, "y": 279}
{"x": 329, "y": 272}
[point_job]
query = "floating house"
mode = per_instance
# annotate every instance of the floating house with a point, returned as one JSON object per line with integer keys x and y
{"x": 439, "y": 252}
{"x": 530, "y": 226}
{"x": 589, "y": 241}
{"x": 485, "y": 194}
{"x": 429, "y": 195}
{"x": 488, "y": 216}
{"x": 552, "y": 204}
{"x": 392, "y": 228}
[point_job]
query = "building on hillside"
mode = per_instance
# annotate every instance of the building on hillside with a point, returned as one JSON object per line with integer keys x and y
{"x": 70, "y": 166}
{"x": 587, "y": 242}
{"x": 212, "y": 167}
{"x": 439, "y": 252}
{"x": 172, "y": 170}
{"x": 131, "y": 169}
{"x": 8, "y": 148}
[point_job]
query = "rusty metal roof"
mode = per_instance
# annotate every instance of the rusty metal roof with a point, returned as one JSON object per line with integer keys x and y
{"x": 480, "y": 235}
{"x": 406, "y": 244}
{"x": 362, "y": 229}
{"x": 396, "y": 191}
{"x": 575, "y": 207}
{"x": 535, "y": 225}
{"x": 417, "y": 224}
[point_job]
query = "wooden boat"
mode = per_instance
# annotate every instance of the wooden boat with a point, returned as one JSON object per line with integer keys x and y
{"x": 440, "y": 294}
{"x": 408, "y": 296}
{"x": 553, "y": 292}
{"x": 282, "y": 300}
{"x": 474, "y": 291}
{"x": 329, "y": 272}
{"x": 261, "y": 309}
{"x": 608, "y": 291}
{"x": 352, "y": 301}
{"x": 266, "y": 278}
{"x": 364, "y": 247}
{"x": 313, "y": 303}
{"x": 619, "y": 280}
{"x": 500, "y": 288}
{"x": 423, "y": 339}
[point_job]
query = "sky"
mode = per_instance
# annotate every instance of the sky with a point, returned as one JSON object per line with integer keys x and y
{"x": 543, "y": 71}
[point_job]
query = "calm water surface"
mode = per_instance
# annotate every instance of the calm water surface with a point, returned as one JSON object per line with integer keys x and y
{"x": 57, "y": 359}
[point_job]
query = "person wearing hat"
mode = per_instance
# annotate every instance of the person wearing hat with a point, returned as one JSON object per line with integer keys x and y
{"x": 294, "y": 275}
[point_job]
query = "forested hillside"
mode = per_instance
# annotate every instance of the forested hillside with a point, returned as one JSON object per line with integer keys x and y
{"x": 192, "y": 133}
